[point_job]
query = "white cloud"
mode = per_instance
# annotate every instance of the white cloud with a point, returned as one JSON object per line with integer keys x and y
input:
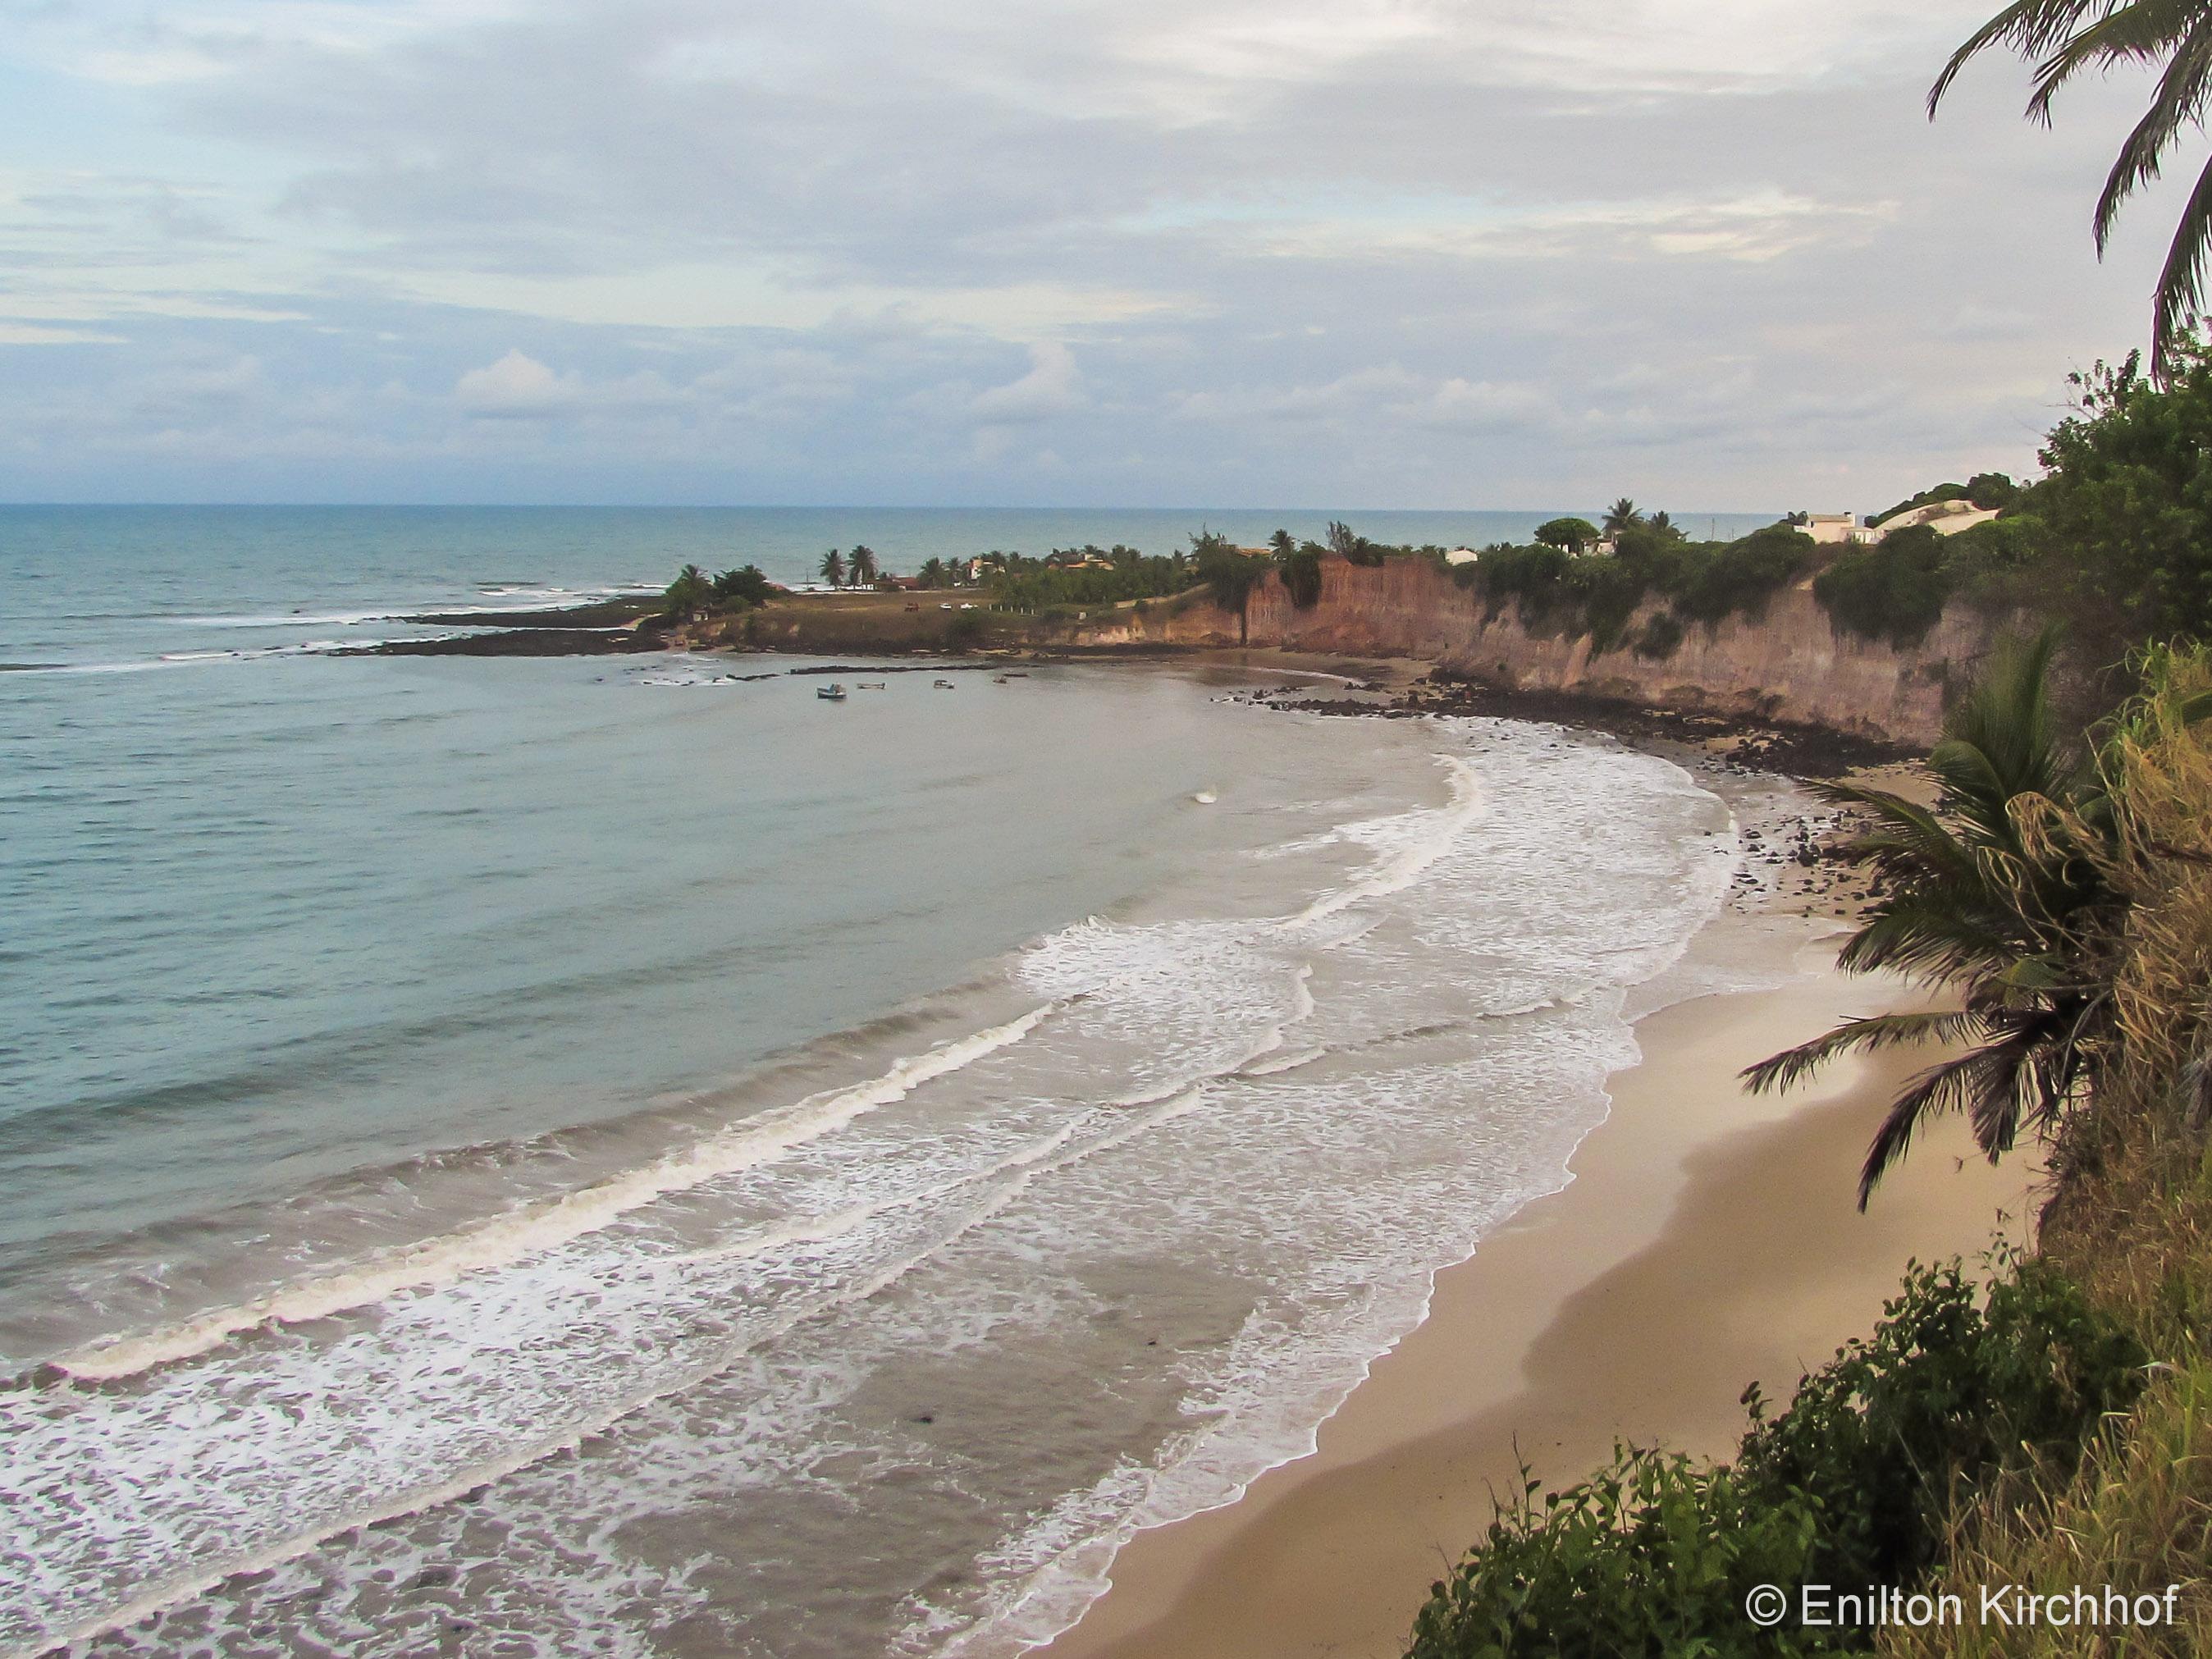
{"x": 516, "y": 387}
{"x": 33, "y": 334}
{"x": 1337, "y": 241}
{"x": 1053, "y": 387}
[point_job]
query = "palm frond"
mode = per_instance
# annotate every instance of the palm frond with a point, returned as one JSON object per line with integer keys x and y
{"x": 2179, "y": 101}
{"x": 2009, "y": 717}
{"x": 1930, "y": 940}
{"x": 2181, "y": 281}
{"x": 2126, "y": 33}
{"x": 2030, "y": 27}
{"x": 1868, "y": 1034}
{"x": 1986, "y": 1083}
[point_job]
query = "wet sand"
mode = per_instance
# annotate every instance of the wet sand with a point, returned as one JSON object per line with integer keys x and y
{"x": 1708, "y": 1239}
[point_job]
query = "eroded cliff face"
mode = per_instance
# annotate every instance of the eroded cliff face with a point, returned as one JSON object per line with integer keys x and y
{"x": 1786, "y": 664}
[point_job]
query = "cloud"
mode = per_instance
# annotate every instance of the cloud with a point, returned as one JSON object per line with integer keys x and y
{"x": 38, "y": 334}
{"x": 1336, "y": 250}
{"x": 1053, "y": 387}
{"x": 516, "y": 387}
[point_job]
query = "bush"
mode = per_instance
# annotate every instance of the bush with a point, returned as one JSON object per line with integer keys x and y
{"x": 1609, "y": 592}
{"x": 1534, "y": 575}
{"x": 1661, "y": 636}
{"x": 743, "y": 585}
{"x": 1893, "y": 591}
{"x": 1572, "y": 534}
{"x": 1850, "y": 1486}
{"x": 1231, "y": 574}
{"x": 1301, "y": 573}
{"x": 1739, "y": 576}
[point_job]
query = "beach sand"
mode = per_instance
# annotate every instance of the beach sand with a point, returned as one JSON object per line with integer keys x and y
{"x": 1707, "y": 1239}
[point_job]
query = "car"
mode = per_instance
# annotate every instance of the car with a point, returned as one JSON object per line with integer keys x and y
{"x": 947, "y": 605}
{"x": 911, "y": 606}
{"x": 964, "y": 605}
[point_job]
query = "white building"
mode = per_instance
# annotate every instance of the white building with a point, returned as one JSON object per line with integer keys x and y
{"x": 1831, "y": 528}
{"x": 1461, "y": 555}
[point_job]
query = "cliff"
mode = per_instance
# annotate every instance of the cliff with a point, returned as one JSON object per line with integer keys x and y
{"x": 1785, "y": 664}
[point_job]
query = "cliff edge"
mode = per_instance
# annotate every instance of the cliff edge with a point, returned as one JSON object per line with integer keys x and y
{"x": 1786, "y": 662}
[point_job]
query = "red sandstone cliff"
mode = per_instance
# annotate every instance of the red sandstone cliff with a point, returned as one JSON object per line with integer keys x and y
{"x": 1786, "y": 664}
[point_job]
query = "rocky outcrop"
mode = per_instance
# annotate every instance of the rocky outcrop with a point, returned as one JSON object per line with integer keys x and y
{"x": 1785, "y": 664}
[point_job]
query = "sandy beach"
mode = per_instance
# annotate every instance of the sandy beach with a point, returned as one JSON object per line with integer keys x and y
{"x": 1707, "y": 1240}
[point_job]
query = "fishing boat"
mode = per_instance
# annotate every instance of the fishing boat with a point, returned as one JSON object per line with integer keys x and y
{"x": 875, "y": 685}
{"x": 832, "y": 692}
{"x": 943, "y": 685}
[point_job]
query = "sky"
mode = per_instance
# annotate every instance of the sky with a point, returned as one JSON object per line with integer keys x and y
{"x": 1385, "y": 253}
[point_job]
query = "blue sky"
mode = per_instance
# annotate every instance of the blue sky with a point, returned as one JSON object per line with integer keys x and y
{"x": 1308, "y": 252}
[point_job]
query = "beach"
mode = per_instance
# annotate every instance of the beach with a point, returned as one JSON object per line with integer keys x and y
{"x": 1708, "y": 1240}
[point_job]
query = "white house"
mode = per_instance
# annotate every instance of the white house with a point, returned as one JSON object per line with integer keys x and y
{"x": 1831, "y": 528}
{"x": 1461, "y": 555}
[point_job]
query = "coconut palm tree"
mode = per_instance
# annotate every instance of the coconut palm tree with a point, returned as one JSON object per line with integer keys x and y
{"x": 690, "y": 591}
{"x": 933, "y": 574}
{"x": 1996, "y": 892}
{"x": 861, "y": 566}
{"x": 1663, "y": 524}
{"x": 1621, "y": 515}
{"x": 2067, "y": 39}
{"x": 833, "y": 567}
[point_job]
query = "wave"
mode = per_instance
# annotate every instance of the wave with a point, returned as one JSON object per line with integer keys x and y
{"x": 1338, "y": 1098}
{"x": 543, "y": 1225}
{"x": 1423, "y": 839}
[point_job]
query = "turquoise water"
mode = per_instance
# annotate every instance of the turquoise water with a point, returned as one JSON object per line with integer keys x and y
{"x": 706, "y": 1170}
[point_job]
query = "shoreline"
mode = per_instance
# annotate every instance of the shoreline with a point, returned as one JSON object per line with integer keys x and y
{"x": 1637, "y": 1302}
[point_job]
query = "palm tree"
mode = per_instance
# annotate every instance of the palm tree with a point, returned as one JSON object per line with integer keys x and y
{"x": 1621, "y": 515}
{"x": 1663, "y": 524}
{"x": 691, "y": 591}
{"x": 861, "y": 566}
{"x": 833, "y": 567}
{"x": 1997, "y": 891}
{"x": 1281, "y": 541}
{"x": 933, "y": 572}
{"x": 2065, "y": 38}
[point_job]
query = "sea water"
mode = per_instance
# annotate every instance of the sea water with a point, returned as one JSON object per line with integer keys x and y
{"x": 597, "y": 1155}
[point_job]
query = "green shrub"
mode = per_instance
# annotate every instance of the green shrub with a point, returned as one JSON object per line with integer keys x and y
{"x": 1301, "y": 573}
{"x": 1231, "y": 574}
{"x": 1948, "y": 1390}
{"x": 1850, "y": 1486}
{"x": 1534, "y": 575}
{"x": 1740, "y": 577}
{"x": 1607, "y": 593}
{"x": 1661, "y": 636}
{"x": 1572, "y": 534}
{"x": 1654, "y": 1555}
{"x": 1892, "y": 591}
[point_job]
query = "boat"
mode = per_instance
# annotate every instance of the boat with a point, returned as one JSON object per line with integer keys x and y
{"x": 943, "y": 685}
{"x": 874, "y": 685}
{"x": 832, "y": 692}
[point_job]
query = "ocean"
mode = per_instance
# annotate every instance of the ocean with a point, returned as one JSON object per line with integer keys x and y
{"x": 593, "y": 1156}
